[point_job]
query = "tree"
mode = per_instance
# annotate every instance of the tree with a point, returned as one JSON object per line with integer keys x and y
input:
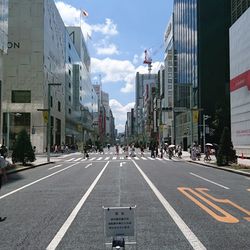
{"x": 226, "y": 153}
{"x": 23, "y": 151}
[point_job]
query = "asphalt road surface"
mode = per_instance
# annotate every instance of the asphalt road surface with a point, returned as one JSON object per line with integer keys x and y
{"x": 178, "y": 205}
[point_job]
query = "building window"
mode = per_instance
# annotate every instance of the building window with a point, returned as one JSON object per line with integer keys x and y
{"x": 69, "y": 46}
{"x": 69, "y": 72}
{"x": 80, "y": 87}
{"x": 69, "y": 111}
{"x": 69, "y": 59}
{"x": 51, "y": 101}
{"x": 80, "y": 78}
{"x": 69, "y": 85}
{"x": 59, "y": 106}
{"x": 69, "y": 98}
{"x": 21, "y": 96}
{"x": 80, "y": 98}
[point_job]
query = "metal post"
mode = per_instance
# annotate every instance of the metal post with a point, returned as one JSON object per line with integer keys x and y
{"x": 8, "y": 131}
{"x": 191, "y": 115}
{"x": 204, "y": 132}
{"x": 48, "y": 127}
{"x": 49, "y": 120}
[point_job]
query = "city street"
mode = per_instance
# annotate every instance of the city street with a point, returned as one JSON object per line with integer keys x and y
{"x": 179, "y": 205}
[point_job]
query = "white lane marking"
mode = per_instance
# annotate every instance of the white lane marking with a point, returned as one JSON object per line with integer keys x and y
{"x": 84, "y": 159}
{"x": 70, "y": 159}
{"x": 136, "y": 158}
{"x": 144, "y": 158}
{"x": 57, "y": 166}
{"x": 107, "y": 158}
{"x": 120, "y": 164}
{"x": 129, "y": 158}
{"x": 92, "y": 158}
{"x": 88, "y": 165}
{"x": 114, "y": 158}
{"x": 159, "y": 159}
{"x": 98, "y": 159}
{"x": 78, "y": 159}
{"x": 187, "y": 232}
{"x": 121, "y": 158}
{"x": 34, "y": 182}
{"x": 209, "y": 181}
{"x": 167, "y": 159}
{"x": 152, "y": 159}
{"x": 62, "y": 231}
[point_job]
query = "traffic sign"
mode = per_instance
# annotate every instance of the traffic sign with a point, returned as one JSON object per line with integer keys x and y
{"x": 119, "y": 221}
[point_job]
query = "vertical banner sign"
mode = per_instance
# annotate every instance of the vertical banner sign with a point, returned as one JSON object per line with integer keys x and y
{"x": 195, "y": 116}
{"x": 45, "y": 116}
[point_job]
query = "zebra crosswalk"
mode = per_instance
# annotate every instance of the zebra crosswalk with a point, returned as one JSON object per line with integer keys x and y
{"x": 117, "y": 157}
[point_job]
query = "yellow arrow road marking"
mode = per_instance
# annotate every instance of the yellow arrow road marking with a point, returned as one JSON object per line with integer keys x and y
{"x": 227, "y": 218}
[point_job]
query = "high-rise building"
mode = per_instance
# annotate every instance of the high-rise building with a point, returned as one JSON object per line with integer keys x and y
{"x": 45, "y": 65}
{"x": 240, "y": 84}
{"x": 201, "y": 49}
{"x": 238, "y": 7}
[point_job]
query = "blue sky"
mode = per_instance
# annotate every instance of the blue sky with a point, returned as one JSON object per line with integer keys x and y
{"x": 120, "y": 31}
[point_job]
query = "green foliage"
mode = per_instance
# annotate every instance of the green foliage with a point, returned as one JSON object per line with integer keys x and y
{"x": 226, "y": 153}
{"x": 23, "y": 151}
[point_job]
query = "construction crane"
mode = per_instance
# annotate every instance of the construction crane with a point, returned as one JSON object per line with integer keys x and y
{"x": 148, "y": 61}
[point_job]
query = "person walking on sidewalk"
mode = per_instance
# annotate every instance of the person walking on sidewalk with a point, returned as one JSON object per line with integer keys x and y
{"x": 2, "y": 176}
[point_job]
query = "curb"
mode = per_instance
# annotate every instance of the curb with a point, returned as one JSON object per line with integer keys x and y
{"x": 221, "y": 168}
{"x": 23, "y": 168}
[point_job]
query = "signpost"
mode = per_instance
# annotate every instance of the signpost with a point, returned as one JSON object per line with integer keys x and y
{"x": 119, "y": 222}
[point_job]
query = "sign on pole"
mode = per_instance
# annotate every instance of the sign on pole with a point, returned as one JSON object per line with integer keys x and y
{"x": 119, "y": 221}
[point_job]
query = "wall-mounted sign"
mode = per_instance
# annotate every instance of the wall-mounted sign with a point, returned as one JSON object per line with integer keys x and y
{"x": 13, "y": 45}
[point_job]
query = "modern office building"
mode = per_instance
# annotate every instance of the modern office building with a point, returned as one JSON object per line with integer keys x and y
{"x": 201, "y": 80}
{"x": 238, "y": 7}
{"x": 4, "y": 13}
{"x": 45, "y": 64}
{"x": 145, "y": 88}
{"x": 240, "y": 83}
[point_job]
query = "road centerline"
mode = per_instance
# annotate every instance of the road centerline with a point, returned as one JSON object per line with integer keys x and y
{"x": 187, "y": 232}
{"x": 62, "y": 231}
{"x": 205, "y": 179}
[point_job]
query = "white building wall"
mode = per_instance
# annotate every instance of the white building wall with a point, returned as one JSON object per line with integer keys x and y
{"x": 37, "y": 31}
{"x": 240, "y": 83}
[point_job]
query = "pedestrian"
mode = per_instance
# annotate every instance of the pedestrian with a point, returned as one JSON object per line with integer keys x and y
{"x": 2, "y": 176}
{"x": 3, "y": 151}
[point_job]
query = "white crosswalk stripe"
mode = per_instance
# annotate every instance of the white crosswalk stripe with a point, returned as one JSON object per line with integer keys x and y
{"x": 107, "y": 158}
{"x": 71, "y": 159}
{"x": 98, "y": 159}
{"x": 114, "y": 158}
{"x": 159, "y": 159}
{"x": 144, "y": 158}
{"x": 136, "y": 158}
{"x": 152, "y": 159}
{"x": 84, "y": 159}
{"x": 78, "y": 159}
{"x": 92, "y": 159}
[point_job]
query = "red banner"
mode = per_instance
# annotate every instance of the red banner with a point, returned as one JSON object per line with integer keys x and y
{"x": 240, "y": 81}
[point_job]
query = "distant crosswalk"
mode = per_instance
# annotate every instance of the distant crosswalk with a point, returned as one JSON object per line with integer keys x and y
{"x": 116, "y": 157}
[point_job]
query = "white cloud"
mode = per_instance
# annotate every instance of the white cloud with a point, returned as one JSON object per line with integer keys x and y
{"x": 120, "y": 71}
{"x": 108, "y": 28}
{"x": 71, "y": 17}
{"x": 135, "y": 59}
{"x": 120, "y": 113}
{"x": 111, "y": 49}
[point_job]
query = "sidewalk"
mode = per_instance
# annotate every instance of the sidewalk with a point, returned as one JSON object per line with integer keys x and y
{"x": 212, "y": 163}
{"x": 41, "y": 159}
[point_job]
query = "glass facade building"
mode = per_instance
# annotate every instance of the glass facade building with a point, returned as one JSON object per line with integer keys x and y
{"x": 238, "y": 7}
{"x": 201, "y": 78}
{"x": 4, "y": 25}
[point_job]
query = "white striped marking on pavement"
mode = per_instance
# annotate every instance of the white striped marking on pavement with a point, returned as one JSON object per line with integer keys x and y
{"x": 92, "y": 158}
{"x": 107, "y": 158}
{"x": 136, "y": 158}
{"x": 114, "y": 158}
{"x": 187, "y": 232}
{"x": 88, "y": 165}
{"x": 84, "y": 159}
{"x": 78, "y": 159}
{"x": 159, "y": 159}
{"x": 98, "y": 159}
{"x": 70, "y": 159}
{"x": 57, "y": 166}
{"x": 57, "y": 239}
{"x": 144, "y": 158}
{"x": 34, "y": 182}
{"x": 152, "y": 159}
{"x": 209, "y": 181}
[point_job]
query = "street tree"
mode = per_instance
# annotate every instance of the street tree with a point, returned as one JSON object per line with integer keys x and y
{"x": 23, "y": 151}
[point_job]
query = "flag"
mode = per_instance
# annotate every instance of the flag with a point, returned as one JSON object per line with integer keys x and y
{"x": 85, "y": 13}
{"x": 195, "y": 116}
